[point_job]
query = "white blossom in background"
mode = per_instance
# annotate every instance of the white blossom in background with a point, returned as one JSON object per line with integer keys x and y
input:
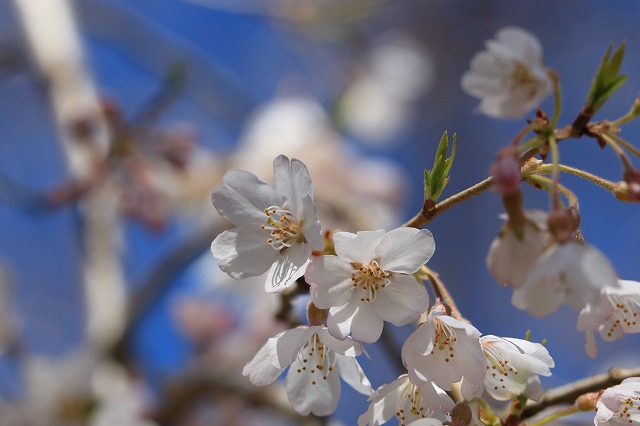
{"x": 120, "y": 400}
{"x": 509, "y": 77}
{"x": 317, "y": 361}
{"x": 510, "y": 259}
{"x": 616, "y": 313}
{"x": 570, "y": 273}
{"x": 276, "y": 227}
{"x": 513, "y": 367}
{"x": 369, "y": 281}
{"x": 405, "y": 401}
{"x": 377, "y": 104}
{"x": 620, "y": 404}
{"x": 445, "y": 351}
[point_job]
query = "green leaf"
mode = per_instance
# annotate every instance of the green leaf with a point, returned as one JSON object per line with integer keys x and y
{"x": 437, "y": 178}
{"x": 607, "y": 79}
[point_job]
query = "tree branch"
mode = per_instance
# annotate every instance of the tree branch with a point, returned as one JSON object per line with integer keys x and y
{"x": 568, "y": 393}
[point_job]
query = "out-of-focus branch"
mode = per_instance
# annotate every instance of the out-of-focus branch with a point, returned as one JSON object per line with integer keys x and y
{"x": 568, "y": 393}
{"x": 213, "y": 89}
{"x": 201, "y": 381}
{"x": 158, "y": 281}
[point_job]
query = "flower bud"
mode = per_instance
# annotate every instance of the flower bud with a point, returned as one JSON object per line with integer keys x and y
{"x": 561, "y": 225}
{"x": 587, "y": 401}
{"x": 506, "y": 171}
{"x": 631, "y": 177}
{"x": 316, "y": 315}
{"x": 461, "y": 415}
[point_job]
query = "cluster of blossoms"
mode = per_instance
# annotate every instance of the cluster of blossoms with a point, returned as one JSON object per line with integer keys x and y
{"x": 369, "y": 280}
{"x": 535, "y": 253}
{"x": 359, "y": 281}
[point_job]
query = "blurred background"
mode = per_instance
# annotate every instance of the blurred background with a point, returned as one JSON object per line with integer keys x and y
{"x": 119, "y": 118}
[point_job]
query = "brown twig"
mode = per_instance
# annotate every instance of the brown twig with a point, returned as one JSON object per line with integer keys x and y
{"x": 568, "y": 393}
{"x": 427, "y": 214}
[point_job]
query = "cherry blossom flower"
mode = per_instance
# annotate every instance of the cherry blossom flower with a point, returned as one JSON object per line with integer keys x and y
{"x": 513, "y": 367}
{"x": 446, "y": 351}
{"x": 510, "y": 258}
{"x": 568, "y": 272}
{"x": 317, "y": 361}
{"x": 617, "y": 313}
{"x": 277, "y": 228}
{"x": 367, "y": 283}
{"x": 509, "y": 77}
{"x": 620, "y": 404}
{"x": 406, "y": 401}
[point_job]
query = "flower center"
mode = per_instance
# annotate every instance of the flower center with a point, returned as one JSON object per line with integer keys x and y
{"x": 445, "y": 340}
{"x": 315, "y": 358}
{"x": 625, "y": 315}
{"x": 369, "y": 279}
{"x": 521, "y": 77}
{"x": 497, "y": 367}
{"x": 629, "y": 411}
{"x": 284, "y": 229}
{"x": 411, "y": 405}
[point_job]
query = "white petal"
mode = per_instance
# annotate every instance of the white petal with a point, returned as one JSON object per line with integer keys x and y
{"x": 346, "y": 347}
{"x": 260, "y": 369}
{"x": 292, "y": 182}
{"x": 408, "y": 249}
{"x": 243, "y": 197}
{"x": 359, "y": 319}
{"x": 360, "y": 247}
{"x": 352, "y": 374}
{"x": 436, "y": 399}
{"x": 426, "y": 422}
{"x": 311, "y": 392}
{"x": 521, "y": 43}
{"x": 402, "y": 301}
{"x": 332, "y": 279}
{"x": 339, "y": 320}
{"x": 310, "y": 224}
{"x": 290, "y": 264}
{"x": 243, "y": 251}
{"x": 366, "y": 325}
{"x": 286, "y": 345}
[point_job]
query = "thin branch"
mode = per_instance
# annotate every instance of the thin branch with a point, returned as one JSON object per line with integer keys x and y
{"x": 426, "y": 215}
{"x": 567, "y": 394}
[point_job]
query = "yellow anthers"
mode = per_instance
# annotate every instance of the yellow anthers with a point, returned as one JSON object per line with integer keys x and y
{"x": 369, "y": 279}
{"x": 284, "y": 231}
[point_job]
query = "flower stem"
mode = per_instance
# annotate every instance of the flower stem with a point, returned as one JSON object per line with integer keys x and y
{"x": 601, "y": 182}
{"x": 555, "y": 172}
{"x": 554, "y": 416}
{"x": 487, "y": 413}
{"x": 426, "y": 215}
{"x": 547, "y": 184}
{"x": 618, "y": 149}
{"x": 442, "y": 293}
{"x": 557, "y": 98}
{"x": 635, "y": 151}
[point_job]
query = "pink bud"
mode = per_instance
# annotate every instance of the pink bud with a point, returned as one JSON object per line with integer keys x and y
{"x": 506, "y": 171}
{"x": 632, "y": 177}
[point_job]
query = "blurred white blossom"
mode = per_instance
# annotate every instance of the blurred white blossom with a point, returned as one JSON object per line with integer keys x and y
{"x": 570, "y": 273}
{"x": 509, "y": 77}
